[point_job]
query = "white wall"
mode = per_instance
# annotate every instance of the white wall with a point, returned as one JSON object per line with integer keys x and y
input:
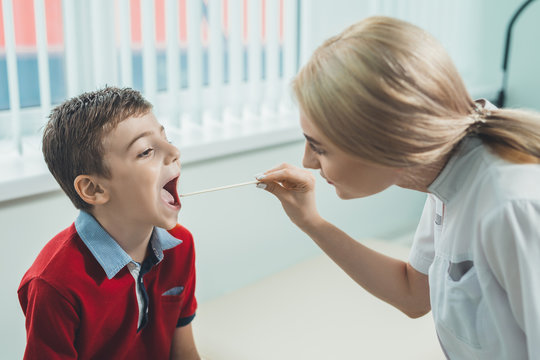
{"x": 524, "y": 62}
{"x": 477, "y": 52}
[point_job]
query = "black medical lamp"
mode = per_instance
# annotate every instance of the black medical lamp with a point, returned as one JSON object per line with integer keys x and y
{"x": 502, "y": 95}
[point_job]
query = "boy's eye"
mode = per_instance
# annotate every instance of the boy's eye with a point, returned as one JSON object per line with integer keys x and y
{"x": 316, "y": 149}
{"x": 145, "y": 153}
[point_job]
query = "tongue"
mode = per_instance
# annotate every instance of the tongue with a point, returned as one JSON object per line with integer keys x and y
{"x": 167, "y": 197}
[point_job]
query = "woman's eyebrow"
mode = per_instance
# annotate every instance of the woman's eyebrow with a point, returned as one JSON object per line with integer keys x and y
{"x": 312, "y": 140}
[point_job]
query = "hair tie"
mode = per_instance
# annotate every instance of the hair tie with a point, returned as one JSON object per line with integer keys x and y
{"x": 479, "y": 115}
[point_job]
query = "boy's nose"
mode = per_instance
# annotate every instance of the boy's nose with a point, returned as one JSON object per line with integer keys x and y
{"x": 173, "y": 153}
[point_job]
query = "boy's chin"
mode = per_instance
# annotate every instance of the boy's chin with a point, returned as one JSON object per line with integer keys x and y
{"x": 170, "y": 227}
{"x": 170, "y": 223}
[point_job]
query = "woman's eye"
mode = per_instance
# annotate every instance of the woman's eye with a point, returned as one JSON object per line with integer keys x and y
{"x": 316, "y": 149}
{"x": 146, "y": 153}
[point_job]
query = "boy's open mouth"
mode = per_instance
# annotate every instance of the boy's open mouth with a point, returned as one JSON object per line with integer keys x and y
{"x": 169, "y": 193}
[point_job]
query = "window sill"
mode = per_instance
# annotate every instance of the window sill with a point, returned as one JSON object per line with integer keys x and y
{"x": 28, "y": 175}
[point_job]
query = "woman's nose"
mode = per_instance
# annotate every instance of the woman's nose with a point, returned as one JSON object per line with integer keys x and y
{"x": 309, "y": 161}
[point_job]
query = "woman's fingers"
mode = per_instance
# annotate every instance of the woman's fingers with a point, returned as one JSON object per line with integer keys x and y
{"x": 288, "y": 178}
{"x": 277, "y": 168}
{"x": 294, "y": 187}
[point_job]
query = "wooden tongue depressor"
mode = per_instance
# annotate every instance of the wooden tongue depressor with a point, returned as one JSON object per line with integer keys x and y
{"x": 220, "y": 188}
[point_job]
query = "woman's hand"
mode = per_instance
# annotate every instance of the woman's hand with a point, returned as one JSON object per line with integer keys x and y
{"x": 392, "y": 280}
{"x": 295, "y": 188}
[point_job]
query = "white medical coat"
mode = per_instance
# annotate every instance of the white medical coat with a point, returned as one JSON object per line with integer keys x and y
{"x": 479, "y": 242}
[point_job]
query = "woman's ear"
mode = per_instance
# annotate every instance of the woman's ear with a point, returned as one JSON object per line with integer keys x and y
{"x": 90, "y": 190}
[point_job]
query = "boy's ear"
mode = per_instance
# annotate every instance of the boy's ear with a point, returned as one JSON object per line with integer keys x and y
{"x": 90, "y": 190}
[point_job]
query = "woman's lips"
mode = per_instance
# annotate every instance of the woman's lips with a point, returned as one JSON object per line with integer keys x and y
{"x": 328, "y": 181}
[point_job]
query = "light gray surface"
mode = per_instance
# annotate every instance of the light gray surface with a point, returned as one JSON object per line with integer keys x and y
{"x": 312, "y": 311}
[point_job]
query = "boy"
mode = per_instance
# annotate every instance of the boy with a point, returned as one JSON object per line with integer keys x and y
{"x": 114, "y": 284}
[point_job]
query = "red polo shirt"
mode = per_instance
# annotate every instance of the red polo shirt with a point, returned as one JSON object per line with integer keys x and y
{"x": 80, "y": 302}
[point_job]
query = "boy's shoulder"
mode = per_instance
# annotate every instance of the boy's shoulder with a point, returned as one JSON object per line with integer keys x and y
{"x": 59, "y": 260}
{"x": 185, "y": 251}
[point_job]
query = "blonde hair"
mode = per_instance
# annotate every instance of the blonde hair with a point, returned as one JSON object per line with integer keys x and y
{"x": 387, "y": 91}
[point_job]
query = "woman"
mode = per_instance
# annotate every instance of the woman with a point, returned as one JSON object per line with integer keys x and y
{"x": 382, "y": 104}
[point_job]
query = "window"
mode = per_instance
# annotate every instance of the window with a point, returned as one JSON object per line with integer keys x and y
{"x": 217, "y": 72}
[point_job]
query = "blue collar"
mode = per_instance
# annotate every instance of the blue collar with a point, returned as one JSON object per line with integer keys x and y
{"x": 106, "y": 250}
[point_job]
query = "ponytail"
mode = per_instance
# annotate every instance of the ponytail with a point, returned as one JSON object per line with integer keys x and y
{"x": 512, "y": 134}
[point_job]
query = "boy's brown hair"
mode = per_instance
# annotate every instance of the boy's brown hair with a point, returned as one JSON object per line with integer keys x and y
{"x": 73, "y": 136}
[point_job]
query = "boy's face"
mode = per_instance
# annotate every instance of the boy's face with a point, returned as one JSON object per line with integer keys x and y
{"x": 144, "y": 169}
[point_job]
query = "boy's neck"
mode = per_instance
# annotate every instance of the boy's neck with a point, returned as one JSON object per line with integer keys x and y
{"x": 132, "y": 237}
